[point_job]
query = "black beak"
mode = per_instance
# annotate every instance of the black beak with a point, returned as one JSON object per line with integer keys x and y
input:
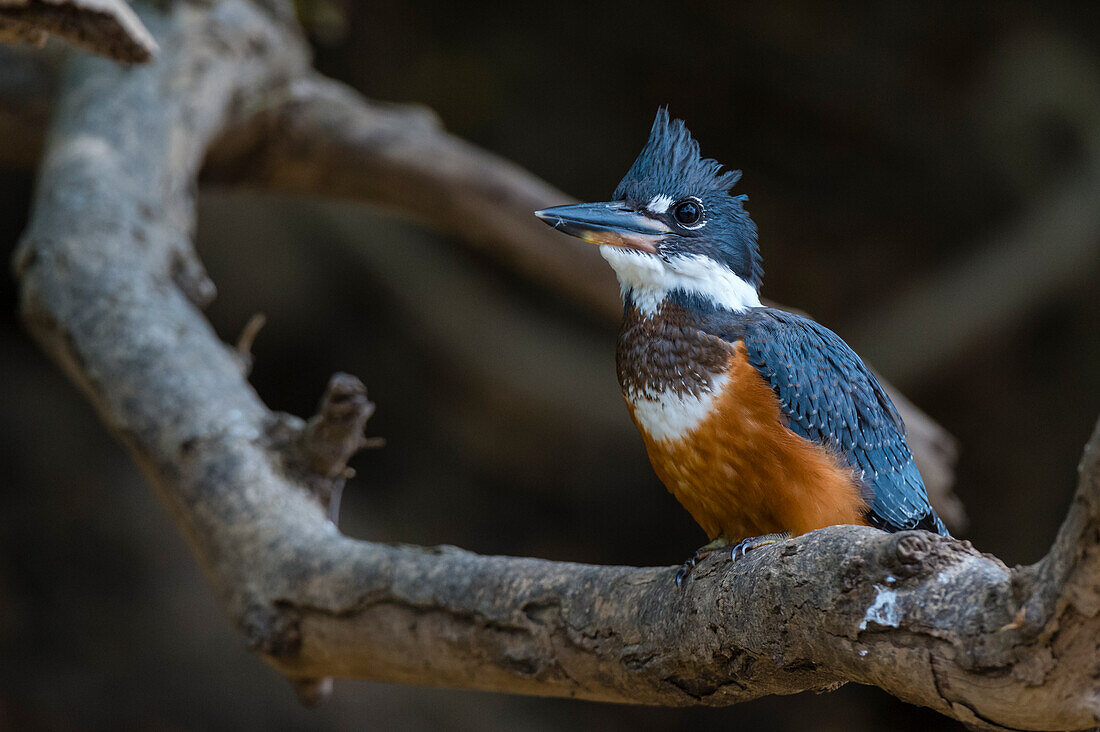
{"x": 610, "y": 224}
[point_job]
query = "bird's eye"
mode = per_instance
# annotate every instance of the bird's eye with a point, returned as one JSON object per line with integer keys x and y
{"x": 688, "y": 211}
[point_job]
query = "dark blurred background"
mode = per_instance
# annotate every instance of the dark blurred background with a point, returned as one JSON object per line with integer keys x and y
{"x": 926, "y": 180}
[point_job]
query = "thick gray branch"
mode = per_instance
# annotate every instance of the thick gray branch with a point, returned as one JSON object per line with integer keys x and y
{"x": 107, "y": 27}
{"x": 110, "y": 286}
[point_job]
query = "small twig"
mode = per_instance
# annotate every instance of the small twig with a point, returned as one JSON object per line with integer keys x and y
{"x": 247, "y": 338}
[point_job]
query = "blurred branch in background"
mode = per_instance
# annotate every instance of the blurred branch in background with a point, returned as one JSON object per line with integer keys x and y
{"x": 319, "y": 137}
{"x": 316, "y": 136}
{"x": 1052, "y": 246}
{"x": 110, "y": 234}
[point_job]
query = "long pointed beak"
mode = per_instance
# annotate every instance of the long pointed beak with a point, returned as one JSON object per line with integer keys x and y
{"x": 609, "y": 224}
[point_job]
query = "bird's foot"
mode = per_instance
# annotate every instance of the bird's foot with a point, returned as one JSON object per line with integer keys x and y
{"x": 747, "y": 544}
{"x": 700, "y": 554}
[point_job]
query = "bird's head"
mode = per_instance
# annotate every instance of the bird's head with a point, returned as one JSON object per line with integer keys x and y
{"x": 673, "y": 230}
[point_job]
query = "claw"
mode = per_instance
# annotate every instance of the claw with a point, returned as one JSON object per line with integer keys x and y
{"x": 700, "y": 554}
{"x": 746, "y": 545}
{"x": 689, "y": 565}
{"x": 685, "y": 571}
{"x": 739, "y": 550}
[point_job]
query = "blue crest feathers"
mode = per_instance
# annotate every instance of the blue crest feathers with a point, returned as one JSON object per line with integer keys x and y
{"x": 670, "y": 163}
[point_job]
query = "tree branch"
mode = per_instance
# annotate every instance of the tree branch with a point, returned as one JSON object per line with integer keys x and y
{"x": 107, "y": 27}
{"x": 110, "y": 288}
{"x": 319, "y": 137}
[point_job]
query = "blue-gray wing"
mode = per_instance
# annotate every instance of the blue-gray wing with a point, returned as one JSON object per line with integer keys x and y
{"x": 829, "y": 397}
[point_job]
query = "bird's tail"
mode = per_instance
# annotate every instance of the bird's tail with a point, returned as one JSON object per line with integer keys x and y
{"x": 932, "y": 522}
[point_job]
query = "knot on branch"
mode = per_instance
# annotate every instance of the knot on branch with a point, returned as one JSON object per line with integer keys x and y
{"x": 910, "y": 549}
{"x": 918, "y": 553}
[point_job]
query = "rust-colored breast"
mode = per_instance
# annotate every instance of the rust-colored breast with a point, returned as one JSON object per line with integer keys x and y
{"x": 741, "y": 472}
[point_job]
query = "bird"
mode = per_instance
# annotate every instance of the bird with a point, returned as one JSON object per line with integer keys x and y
{"x": 762, "y": 423}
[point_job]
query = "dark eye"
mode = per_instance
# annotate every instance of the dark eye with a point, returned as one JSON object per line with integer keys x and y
{"x": 688, "y": 212}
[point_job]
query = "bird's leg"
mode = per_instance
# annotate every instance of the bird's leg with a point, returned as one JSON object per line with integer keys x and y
{"x": 749, "y": 543}
{"x": 700, "y": 554}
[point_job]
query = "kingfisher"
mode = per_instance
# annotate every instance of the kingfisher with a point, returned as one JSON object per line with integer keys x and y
{"x": 762, "y": 423}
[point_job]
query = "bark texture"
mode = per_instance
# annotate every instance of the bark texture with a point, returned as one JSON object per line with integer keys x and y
{"x": 112, "y": 290}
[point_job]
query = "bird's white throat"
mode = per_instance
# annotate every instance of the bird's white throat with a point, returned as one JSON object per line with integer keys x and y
{"x": 649, "y": 279}
{"x": 668, "y": 415}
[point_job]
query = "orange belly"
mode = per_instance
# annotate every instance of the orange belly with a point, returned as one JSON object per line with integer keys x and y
{"x": 741, "y": 472}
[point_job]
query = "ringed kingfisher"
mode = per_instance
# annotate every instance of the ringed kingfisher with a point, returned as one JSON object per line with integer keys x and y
{"x": 762, "y": 423}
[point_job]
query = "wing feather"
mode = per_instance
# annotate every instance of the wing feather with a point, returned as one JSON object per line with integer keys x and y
{"x": 829, "y": 396}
